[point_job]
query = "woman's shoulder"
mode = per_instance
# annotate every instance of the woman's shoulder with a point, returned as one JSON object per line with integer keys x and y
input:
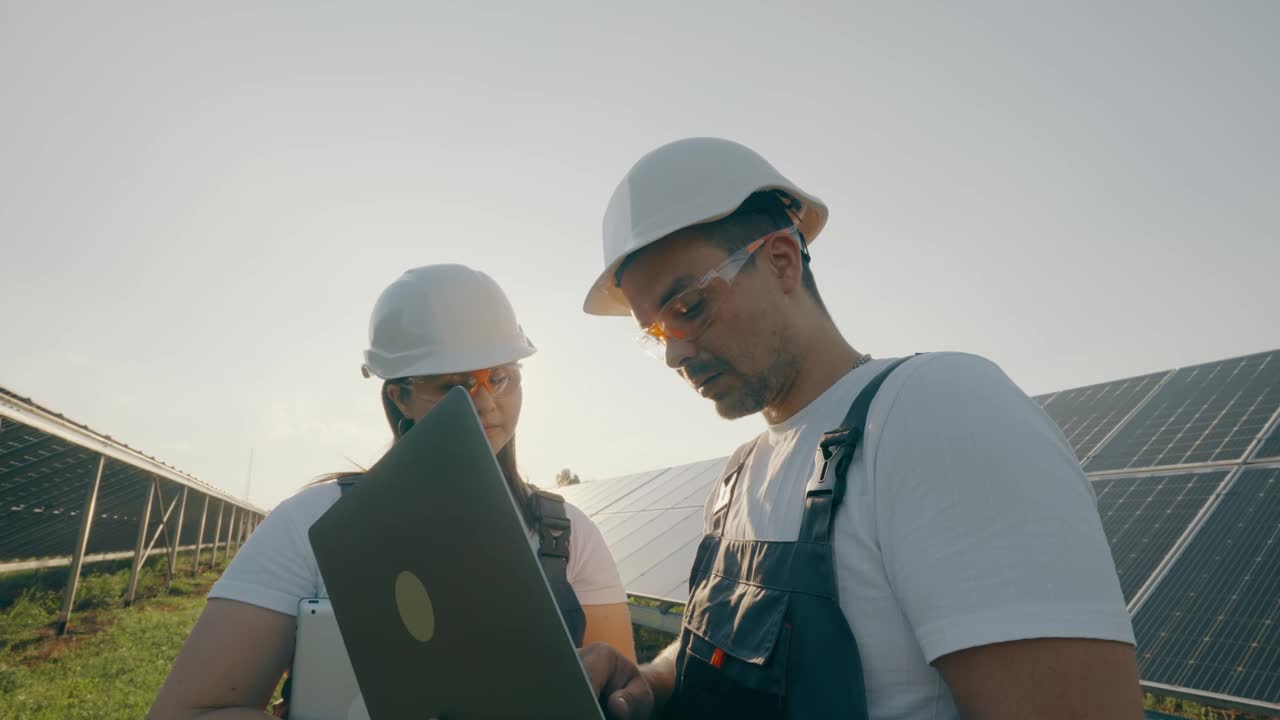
{"x": 306, "y": 506}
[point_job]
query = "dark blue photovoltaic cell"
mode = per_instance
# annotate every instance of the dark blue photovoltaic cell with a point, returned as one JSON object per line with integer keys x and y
{"x": 1144, "y": 516}
{"x": 1204, "y": 413}
{"x": 1212, "y": 623}
{"x": 1088, "y": 414}
{"x": 1270, "y": 448}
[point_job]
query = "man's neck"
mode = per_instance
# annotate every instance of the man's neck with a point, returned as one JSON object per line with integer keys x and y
{"x": 821, "y": 364}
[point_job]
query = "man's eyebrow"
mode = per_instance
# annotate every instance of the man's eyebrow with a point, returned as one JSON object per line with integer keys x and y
{"x": 677, "y": 286}
{"x": 449, "y": 377}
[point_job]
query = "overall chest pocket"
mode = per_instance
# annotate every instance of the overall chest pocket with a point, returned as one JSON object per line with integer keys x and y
{"x": 738, "y": 639}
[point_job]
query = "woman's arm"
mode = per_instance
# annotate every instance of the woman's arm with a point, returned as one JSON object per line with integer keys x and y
{"x": 610, "y": 624}
{"x": 229, "y": 666}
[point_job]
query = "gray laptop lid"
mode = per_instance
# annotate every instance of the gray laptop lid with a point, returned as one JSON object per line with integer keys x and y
{"x": 442, "y": 603}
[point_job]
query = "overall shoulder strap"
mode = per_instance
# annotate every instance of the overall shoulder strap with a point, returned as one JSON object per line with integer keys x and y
{"x": 728, "y": 484}
{"x": 825, "y": 490}
{"x": 551, "y": 523}
{"x": 554, "y": 530}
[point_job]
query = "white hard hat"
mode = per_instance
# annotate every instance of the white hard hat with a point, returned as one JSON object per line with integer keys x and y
{"x": 684, "y": 183}
{"x": 442, "y": 319}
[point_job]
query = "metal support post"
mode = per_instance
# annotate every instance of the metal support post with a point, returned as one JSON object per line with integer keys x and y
{"x": 143, "y": 524}
{"x": 217, "y": 534}
{"x": 82, "y": 542}
{"x": 204, "y": 515}
{"x": 177, "y": 536}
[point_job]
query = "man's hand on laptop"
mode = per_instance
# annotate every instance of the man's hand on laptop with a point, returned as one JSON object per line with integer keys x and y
{"x": 624, "y": 692}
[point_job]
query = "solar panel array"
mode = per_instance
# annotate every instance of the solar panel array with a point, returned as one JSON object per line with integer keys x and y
{"x": 1213, "y": 623}
{"x": 1201, "y": 414}
{"x": 1181, "y": 462}
{"x": 48, "y": 466}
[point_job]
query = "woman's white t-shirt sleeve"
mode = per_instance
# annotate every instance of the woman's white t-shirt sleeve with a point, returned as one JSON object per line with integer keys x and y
{"x": 276, "y": 567}
{"x": 592, "y": 571}
{"x": 989, "y": 529}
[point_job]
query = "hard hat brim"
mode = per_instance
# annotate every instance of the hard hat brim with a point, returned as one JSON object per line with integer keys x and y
{"x": 389, "y": 369}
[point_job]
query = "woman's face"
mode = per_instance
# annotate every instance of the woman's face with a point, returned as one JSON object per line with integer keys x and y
{"x": 496, "y": 393}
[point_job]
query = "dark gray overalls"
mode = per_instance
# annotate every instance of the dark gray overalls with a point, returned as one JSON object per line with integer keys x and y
{"x": 764, "y": 635}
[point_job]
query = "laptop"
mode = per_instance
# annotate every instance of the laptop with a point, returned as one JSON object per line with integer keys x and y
{"x": 439, "y": 595}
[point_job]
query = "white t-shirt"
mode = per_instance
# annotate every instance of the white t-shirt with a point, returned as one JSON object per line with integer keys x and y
{"x": 276, "y": 567}
{"x": 967, "y": 521}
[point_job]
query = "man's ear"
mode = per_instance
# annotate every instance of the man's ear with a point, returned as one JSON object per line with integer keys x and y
{"x": 781, "y": 256}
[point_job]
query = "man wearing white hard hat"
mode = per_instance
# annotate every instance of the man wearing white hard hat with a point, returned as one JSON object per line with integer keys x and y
{"x": 435, "y": 328}
{"x": 908, "y": 538}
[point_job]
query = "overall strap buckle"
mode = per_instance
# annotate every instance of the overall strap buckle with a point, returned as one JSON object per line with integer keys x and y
{"x": 553, "y": 537}
{"x": 825, "y": 489}
{"x": 838, "y": 446}
{"x": 552, "y": 524}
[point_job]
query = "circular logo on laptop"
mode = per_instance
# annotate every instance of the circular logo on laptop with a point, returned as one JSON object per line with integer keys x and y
{"x": 414, "y": 604}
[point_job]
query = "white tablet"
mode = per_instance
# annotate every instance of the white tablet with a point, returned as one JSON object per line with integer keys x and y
{"x": 323, "y": 685}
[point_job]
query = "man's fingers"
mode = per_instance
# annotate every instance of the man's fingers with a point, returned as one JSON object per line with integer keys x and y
{"x": 599, "y": 666}
{"x": 617, "y": 708}
{"x": 632, "y": 702}
{"x": 617, "y": 681}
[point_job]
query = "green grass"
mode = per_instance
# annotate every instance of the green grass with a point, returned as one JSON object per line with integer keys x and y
{"x": 114, "y": 660}
{"x": 1178, "y": 707}
{"x": 114, "y": 673}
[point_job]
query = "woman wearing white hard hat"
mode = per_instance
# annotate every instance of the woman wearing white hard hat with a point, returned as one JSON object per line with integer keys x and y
{"x": 435, "y": 328}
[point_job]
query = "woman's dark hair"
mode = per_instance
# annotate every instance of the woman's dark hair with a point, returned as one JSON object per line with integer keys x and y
{"x": 400, "y": 424}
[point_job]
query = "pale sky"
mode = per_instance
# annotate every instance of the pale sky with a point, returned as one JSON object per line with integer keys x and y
{"x": 200, "y": 203}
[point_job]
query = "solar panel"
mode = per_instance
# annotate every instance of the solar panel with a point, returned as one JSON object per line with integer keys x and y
{"x": 651, "y": 543}
{"x": 1087, "y": 415}
{"x": 669, "y": 579}
{"x": 663, "y": 571}
{"x": 1204, "y": 413}
{"x": 652, "y": 523}
{"x": 596, "y": 496}
{"x": 680, "y": 487}
{"x": 1212, "y": 624}
{"x": 1270, "y": 448}
{"x": 1143, "y": 517}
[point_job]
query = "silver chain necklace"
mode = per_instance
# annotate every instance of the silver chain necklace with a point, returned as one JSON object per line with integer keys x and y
{"x": 866, "y": 358}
